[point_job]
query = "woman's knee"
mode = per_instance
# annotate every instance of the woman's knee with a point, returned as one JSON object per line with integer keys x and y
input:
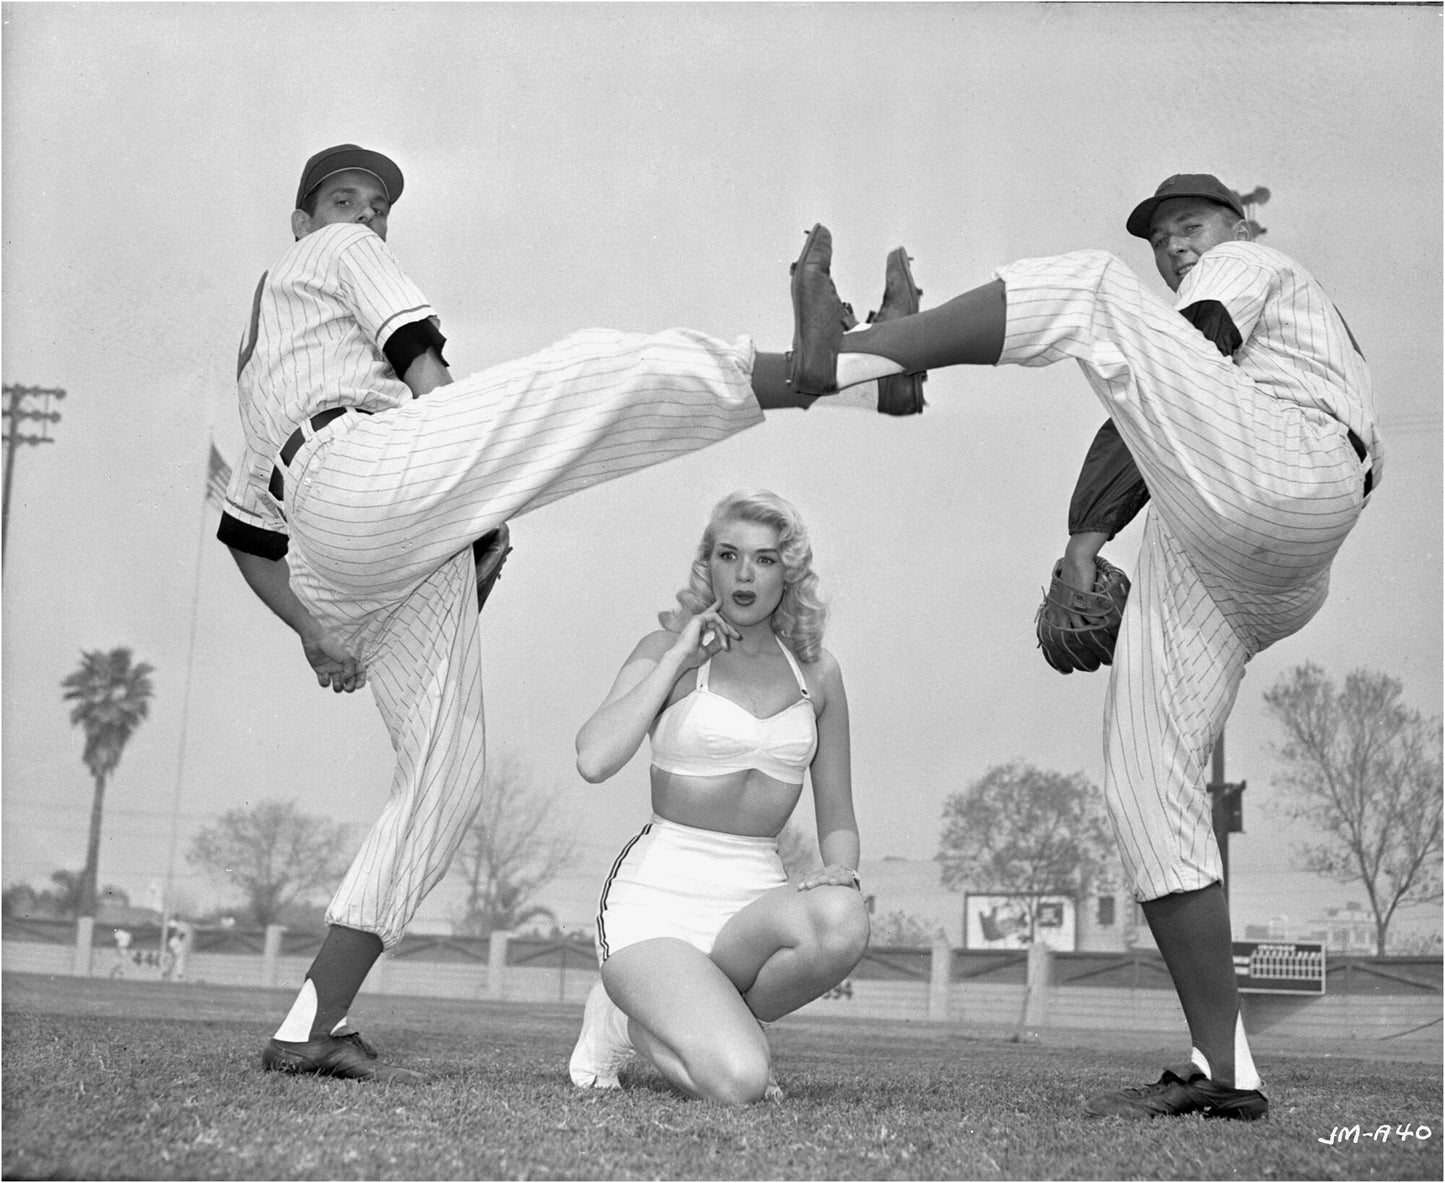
{"x": 839, "y": 919}
{"x": 728, "y": 1073}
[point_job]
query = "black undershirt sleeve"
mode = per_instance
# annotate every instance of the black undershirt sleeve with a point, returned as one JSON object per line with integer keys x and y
{"x": 1110, "y": 492}
{"x": 412, "y": 340}
{"x": 239, "y": 535}
{"x": 1212, "y": 319}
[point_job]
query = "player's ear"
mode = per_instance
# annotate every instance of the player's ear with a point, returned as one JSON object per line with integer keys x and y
{"x": 300, "y": 223}
{"x": 1242, "y": 232}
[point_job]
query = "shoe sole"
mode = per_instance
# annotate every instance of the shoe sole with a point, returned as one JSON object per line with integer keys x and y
{"x": 1243, "y": 1110}
{"x": 280, "y": 1062}
{"x": 795, "y": 358}
{"x": 914, "y": 291}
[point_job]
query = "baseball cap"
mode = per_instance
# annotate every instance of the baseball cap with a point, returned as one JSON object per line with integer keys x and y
{"x": 1211, "y": 188}
{"x": 342, "y": 157}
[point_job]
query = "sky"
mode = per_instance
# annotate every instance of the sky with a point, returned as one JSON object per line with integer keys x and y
{"x": 643, "y": 167}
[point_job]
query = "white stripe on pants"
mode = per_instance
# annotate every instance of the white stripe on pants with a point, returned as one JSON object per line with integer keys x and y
{"x": 383, "y": 510}
{"x": 1251, "y": 497}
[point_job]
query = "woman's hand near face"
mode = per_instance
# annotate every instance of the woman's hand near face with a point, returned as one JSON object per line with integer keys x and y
{"x": 703, "y": 635}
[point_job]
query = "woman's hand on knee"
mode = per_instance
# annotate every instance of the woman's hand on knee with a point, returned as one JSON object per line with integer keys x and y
{"x": 834, "y": 875}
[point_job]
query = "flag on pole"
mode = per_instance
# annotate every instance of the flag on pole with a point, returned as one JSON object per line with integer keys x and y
{"x": 218, "y": 476}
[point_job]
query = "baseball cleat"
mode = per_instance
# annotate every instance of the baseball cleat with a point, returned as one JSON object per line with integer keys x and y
{"x": 352, "y": 1036}
{"x": 819, "y": 318}
{"x": 899, "y": 394}
{"x": 333, "y": 1056}
{"x": 1174, "y": 1095}
{"x": 603, "y": 1047}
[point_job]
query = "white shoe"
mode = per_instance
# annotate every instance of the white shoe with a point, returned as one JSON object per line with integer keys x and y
{"x": 602, "y": 1047}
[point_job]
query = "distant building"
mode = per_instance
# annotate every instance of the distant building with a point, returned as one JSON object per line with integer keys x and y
{"x": 1107, "y": 920}
{"x": 1346, "y": 929}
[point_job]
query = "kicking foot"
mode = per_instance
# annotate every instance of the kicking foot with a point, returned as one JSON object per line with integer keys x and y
{"x": 1174, "y": 1095}
{"x": 603, "y": 1047}
{"x": 333, "y": 1056}
{"x": 899, "y": 394}
{"x": 820, "y": 318}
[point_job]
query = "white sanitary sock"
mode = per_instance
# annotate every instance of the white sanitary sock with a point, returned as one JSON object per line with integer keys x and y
{"x": 296, "y": 1026}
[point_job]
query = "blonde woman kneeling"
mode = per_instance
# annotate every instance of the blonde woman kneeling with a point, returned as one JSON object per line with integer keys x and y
{"x": 700, "y": 937}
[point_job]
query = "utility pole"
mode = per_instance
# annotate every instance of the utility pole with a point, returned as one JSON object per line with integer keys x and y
{"x": 1251, "y": 200}
{"x": 17, "y": 408}
{"x": 1228, "y": 808}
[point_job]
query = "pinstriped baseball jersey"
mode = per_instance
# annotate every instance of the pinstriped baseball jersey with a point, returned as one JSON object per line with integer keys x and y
{"x": 1254, "y": 485}
{"x": 319, "y": 322}
{"x": 1295, "y": 342}
{"x": 381, "y": 509}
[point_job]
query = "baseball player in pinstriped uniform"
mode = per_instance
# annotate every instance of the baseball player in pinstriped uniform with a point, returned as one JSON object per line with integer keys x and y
{"x": 356, "y": 506}
{"x": 1251, "y": 420}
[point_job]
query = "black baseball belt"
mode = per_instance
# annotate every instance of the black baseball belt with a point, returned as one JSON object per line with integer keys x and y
{"x": 1359, "y": 446}
{"x": 277, "y": 484}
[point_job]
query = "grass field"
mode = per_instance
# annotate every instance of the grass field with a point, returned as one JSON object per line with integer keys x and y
{"x": 115, "y": 1080}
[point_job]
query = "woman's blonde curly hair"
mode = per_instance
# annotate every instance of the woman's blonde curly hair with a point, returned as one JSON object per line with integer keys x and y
{"x": 801, "y": 615}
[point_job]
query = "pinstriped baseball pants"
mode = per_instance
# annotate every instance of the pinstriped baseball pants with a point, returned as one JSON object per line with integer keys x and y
{"x": 383, "y": 510}
{"x": 1251, "y": 497}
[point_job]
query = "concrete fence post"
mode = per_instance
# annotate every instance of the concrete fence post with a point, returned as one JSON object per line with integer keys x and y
{"x": 940, "y": 971}
{"x": 1040, "y": 985}
{"x": 84, "y": 932}
{"x": 271, "y": 954}
{"x": 497, "y": 965}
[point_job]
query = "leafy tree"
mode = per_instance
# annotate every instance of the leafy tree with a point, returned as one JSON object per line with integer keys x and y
{"x": 275, "y": 855}
{"x": 112, "y": 696}
{"x": 904, "y": 930}
{"x": 509, "y": 853}
{"x": 1364, "y": 771}
{"x": 62, "y": 902}
{"x": 1019, "y": 830}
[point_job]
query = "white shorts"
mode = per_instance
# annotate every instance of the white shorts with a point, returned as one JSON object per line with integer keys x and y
{"x": 682, "y": 882}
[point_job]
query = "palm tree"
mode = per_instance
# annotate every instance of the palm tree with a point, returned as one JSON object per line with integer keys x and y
{"x": 111, "y": 698}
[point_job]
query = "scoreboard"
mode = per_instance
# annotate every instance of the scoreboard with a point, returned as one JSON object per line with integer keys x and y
{"x": 1279, "y": 967}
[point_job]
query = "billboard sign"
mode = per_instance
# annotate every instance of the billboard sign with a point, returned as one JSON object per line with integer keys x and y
{"x": 1016, "y": 921}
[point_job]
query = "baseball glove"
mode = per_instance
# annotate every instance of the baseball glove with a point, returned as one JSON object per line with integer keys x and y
{"x": 491, "y": 551}
{"x": 1077, "y": 630}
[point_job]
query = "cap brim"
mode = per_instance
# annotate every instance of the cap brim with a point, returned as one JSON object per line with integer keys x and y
{"x": 362, "y": 160}
{"x": 1143, "y": 215}
{"x": 1140, "y": 222}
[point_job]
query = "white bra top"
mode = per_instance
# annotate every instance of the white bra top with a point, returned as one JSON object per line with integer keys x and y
{"x": 707, "y": 734}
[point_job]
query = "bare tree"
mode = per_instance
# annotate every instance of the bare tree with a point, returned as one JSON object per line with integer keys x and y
{"x": 510, "y": 852}
{"x": 275, "y": 855}
{"x": 112, "y": 697}
{"x": 1364, "y": 771}
{"x": 1022, "y": 831}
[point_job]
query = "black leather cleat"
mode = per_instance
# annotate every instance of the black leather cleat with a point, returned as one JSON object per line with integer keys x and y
{"x": 352, "y": 1036}
{"x": 819, "y": 318}
{"x": 333, "y": 1056}
{"x": 899, "y": 394}
{"x": 1173, "y": 1095}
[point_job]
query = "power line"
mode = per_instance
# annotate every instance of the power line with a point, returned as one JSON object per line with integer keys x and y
{"x": 15, "y": 410}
